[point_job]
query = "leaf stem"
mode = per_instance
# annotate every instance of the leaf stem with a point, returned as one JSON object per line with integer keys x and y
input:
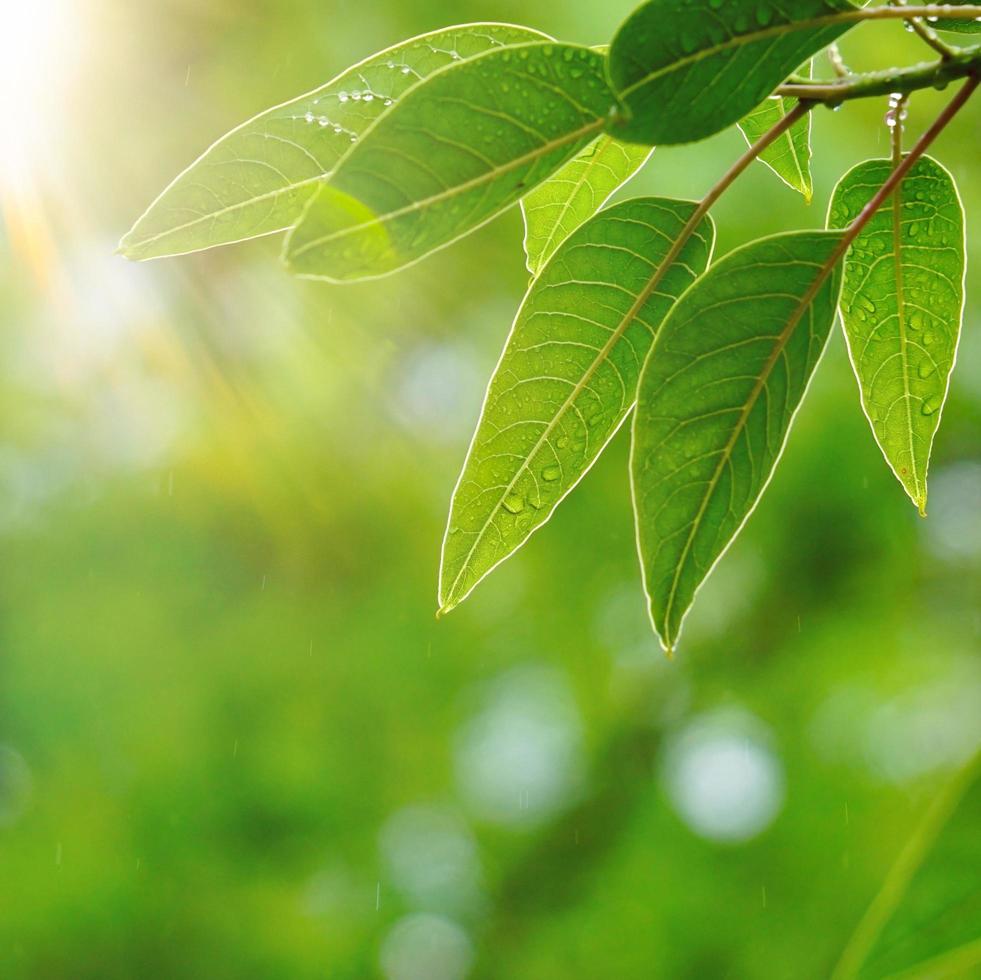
{"x": 837, "y": 62}
{"x": 895, "y": 119}
{"x": 963, "y": 63}
{"x": 725, "y": 182}
{"x": 900, "y": 172}
{"x": 972, "y": 12}
{"x": 927, "y": 35}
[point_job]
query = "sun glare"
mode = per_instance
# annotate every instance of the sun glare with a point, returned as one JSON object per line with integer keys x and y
{"x": 36, "y": 54}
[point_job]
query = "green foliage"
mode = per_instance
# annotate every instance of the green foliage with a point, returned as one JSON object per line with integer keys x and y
{"x": 958, "y": 26}
{"x": 717, "y": 398}
{"x": 257, "y": 179}
{"x": 789, "y": 157}
{"x": 685, "y": 73}
{"x": 555, "y": 208}
{"x": 469, "y": 143}
{"x": 424, "y": 143}
{"x": 901, "y": 307}
{"x": 567, "y": 378}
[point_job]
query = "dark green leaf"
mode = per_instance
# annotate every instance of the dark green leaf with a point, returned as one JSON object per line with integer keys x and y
{"x": 901, "y": 306}
{"x": 567, "y": 378}
{"x": 257, "y": 179}
{"x": 458, "y": 149}
{"x": 789, "y": 157}
{"x": 964, "y": 26}
{"x": 685, "y": 70}
{"x": 575, "y": 193}
{"x": 717, "y": 397}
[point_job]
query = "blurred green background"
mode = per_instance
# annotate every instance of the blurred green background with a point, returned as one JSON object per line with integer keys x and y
{"x": 235, "y": 743}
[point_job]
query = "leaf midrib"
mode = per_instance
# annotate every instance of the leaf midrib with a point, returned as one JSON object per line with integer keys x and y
{"x": 897, "y": 230}
{"x": 671, "y": 256}
{"x": 782, "y": 341}
{"x": 447, "y": 195}
{"x": 737, "y": 42}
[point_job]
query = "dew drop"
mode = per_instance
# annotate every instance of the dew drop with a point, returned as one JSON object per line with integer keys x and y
{"x": 931, "y": 405}
{"x": 514, "y": 504}
{"x": 551, "y": 473}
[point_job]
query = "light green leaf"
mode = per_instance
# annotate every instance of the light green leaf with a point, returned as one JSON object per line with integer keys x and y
{"x": 685, "y": 69}
{"x": 925, "y": 922}
{"x": 789, "y": 157}
{"x": 966, "y": 26}
{"x": 257, "y": 179}
{"x": 457, "y": 150}
{"x": 718, "y": 394}
{"x": 901, "y": 305}
{"x": 567, "y": 378}
{"x": 575, "y": 193}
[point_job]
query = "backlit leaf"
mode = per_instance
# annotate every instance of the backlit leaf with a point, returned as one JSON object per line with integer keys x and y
{"x": 567, "y": 378}
{"x": 685, "y": 69}
{"x": 789, "y": 156}
{"x": 575, "y": 193}
{"x": 458, "y": 149}
{"x": 901, "y": 306}
{"x": 717, "y": 397}
{"x": 257, "y": 179}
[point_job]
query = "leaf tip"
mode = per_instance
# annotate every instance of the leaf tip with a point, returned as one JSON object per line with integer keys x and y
{"x": 125, "y": 249}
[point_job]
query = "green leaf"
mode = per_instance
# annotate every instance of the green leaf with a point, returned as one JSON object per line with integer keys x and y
{"x": 901, "y": 306}
{"x": 789, "y": 157}
{"x": 718, "y": 394}
{"x": 256, "y": 180}
{"x": 458, "y": 149}
{"x": 685, "y": 70}
{"x": 965, "y": 26}
{"x": 925, "y": 923}
{"x": 575, "y": 193}
{"x": 567, "y": 378}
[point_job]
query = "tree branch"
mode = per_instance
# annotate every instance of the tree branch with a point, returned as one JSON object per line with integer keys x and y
{"x": 966, "y": 63}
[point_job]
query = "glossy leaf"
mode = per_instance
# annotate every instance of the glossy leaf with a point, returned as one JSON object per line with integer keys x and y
{"x": 458, "y": 149}
{"x": 575, "y": 193}
{"x": 901, "y": 304}
{"x": 567, "y": 378}
{"x": 965, "y": 26}
{"x": 789, "y": 157}
{"x": 717, "y": 398}
{"x": 257, "y": 179}
{"x": 685, "y": 69}
{"x": 925, "y": 923}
